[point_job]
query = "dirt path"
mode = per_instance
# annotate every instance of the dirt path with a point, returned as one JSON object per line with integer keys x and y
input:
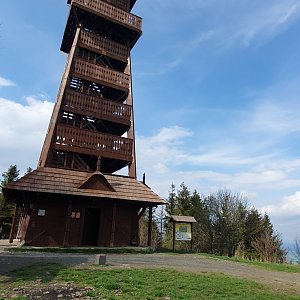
{"x": 279, "y": 281}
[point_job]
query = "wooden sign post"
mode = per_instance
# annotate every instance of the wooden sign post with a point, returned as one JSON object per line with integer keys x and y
{"x": 182, "y": 229}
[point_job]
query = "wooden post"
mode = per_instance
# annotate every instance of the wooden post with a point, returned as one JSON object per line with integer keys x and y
{"x": 173, "y": 236}
{"x": 68, "y": 224}
{"x": 191, "y": 237}
{"x": 150, "y": 227}
{"x": 130, "y": 133}
{"x": 113, "y": 225}
{"x": 13, "y": 225}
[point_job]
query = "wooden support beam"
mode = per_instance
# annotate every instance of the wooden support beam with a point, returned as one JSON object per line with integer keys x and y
{"x": 113, "y": 225}
{"x": 131, "y": 133}
{"x": 47, "y": 148}
{"x": 150, "y": 227}
{"x": 68, "y": 224}
{"x": 13, "y": 225}
{"x": 191, "y": 249}
{"x": 173, "y": 236}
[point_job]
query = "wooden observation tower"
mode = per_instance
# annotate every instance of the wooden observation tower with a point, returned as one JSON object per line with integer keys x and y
{"x": 93, "y": 115}
{"x": 73, "y": 198}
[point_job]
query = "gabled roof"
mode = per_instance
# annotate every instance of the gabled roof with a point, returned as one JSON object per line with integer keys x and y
{"x": 182, "y": 219}
{"x": 96, "y": 181}
{"x": 68, "y": 182}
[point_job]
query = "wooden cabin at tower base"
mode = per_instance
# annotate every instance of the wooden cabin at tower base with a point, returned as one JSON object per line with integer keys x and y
{"x": 57, "y": 207}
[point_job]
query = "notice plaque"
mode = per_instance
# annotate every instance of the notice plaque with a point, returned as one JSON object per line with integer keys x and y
{"x": 183, "y": 232}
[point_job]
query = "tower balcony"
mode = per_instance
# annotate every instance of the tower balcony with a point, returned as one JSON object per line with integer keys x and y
{"x": 123, "y": 4}
{"x": 104, "y": 46}
{"x": 100, "y": 108}
{"x": 95, "y": 73}
{"x": 109, "y": 11}
{"x": 100, "y": 16}
{"x": 72, "y": 139}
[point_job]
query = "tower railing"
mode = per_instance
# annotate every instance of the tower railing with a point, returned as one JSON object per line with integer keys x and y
{"x": 77, "y": 140}
{"x": 82, "y": 103}
{"x": 105, "y": 46}
{"x": 93, "y": 71}
{"x": 109, "y": 11}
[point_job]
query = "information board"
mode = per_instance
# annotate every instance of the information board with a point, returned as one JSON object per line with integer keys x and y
{"x": 183, "y": 232}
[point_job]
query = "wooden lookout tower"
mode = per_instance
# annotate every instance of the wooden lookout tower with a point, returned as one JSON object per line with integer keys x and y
{"x": 74, "y": 198}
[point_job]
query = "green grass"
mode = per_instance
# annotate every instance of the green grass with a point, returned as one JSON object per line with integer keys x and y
{"x": 269, "y": 266}
{"x": 135, "y": 283}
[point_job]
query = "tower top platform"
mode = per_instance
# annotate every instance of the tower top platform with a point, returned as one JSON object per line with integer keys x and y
{"x": 131, "y": 4}
{"x": 101, "y": 16}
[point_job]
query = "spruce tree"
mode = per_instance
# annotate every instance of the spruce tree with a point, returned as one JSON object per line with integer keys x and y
{"x": 6, "y": 209}
{"x": 10, "y": 175}
{"x": 183, "y": 200}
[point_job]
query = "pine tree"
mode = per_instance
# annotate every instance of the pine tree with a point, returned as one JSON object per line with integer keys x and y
{"x": 171, "y": 209}
{"x": 7, "y": 210}
{"x": 201, "y": 228}
{"x": 183, "y": 200}
{"x": 253, "y": 230}
{"x": 171, "y": 201}
{"x": 28, "y": 170}
{"x": 10, "y": 175}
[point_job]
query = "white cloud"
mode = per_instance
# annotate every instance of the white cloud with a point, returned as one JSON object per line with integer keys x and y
{"x": 267, "y": 21}
{"x": 274, "y": 112}
{"x": 277, "y": 118}
{"x": 288, "y": 206}
{"x": 22, "y": 131}
{"x": 172, "y": 154}
{"x": 162, "y": 149}
{"x": 214, "y": 31}
{"x": 173, "y": 135}
{"x": 6, "y": 82}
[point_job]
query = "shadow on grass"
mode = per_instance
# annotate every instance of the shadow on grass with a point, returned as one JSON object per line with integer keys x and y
{"x": 38, "y": 272}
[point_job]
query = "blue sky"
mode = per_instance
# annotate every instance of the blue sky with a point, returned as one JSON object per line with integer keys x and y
{"x": 216, "y": 89}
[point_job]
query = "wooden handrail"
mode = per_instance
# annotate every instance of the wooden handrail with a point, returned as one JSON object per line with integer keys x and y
{"x": 94, "y": 142}
{"x": 103, "y": 45}
{"x": 96, "y": 106}
{"x": 94, "y": 71}
{"x": 111, "y": 12}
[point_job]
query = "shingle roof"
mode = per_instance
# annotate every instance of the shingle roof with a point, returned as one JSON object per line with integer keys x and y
{"x": 182, "y": 219}
{"x": 60, "y": 181}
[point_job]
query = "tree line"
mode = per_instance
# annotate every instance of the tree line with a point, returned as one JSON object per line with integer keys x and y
{"x": 226, "y": 225}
